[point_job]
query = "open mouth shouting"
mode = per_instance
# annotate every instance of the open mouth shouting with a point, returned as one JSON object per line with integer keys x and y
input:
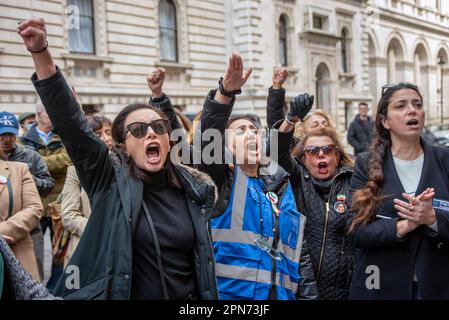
{"x": 252, "y": 147}
{"x": 413, "y": 124}
{"x": 323, "y": 167}
{"x": 153, "y": 152}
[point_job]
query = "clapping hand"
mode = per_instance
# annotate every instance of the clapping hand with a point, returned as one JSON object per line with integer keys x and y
{"x": 418, "y": 210}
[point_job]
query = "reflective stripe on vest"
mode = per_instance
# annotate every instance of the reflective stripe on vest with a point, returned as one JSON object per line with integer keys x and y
{"x": 250, "y": 274}
{"x": 248, "y": 237}
{"x": 236, "y": 235}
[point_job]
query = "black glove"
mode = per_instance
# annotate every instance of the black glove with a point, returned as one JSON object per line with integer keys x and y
{"x": 300, "y": 107}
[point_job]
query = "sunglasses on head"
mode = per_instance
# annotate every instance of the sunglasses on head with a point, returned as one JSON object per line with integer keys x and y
{"x": 315, "y": 150}
{"x": 140, "y": 129}
{"x": 386, "y": 87}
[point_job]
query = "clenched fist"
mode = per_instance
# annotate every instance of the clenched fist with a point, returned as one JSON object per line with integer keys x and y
{"x": 33, "y": 33}
{"x": 155, "y": 82}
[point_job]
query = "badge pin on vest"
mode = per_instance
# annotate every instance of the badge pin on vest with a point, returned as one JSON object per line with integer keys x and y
{"x": 273, "y": 198}
{"x": 3, "y": 180}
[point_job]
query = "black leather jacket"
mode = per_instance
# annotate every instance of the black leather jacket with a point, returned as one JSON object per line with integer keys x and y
{"x": 326, "y": 229}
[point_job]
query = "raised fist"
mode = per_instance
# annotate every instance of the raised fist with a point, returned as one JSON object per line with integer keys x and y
{"x": 279, "y": 77}
{"x": 300, "y": 107}
{"x": 33, "y": 33}
{"x": 155, "y": 82}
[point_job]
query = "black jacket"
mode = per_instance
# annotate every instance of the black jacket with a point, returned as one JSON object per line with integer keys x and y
{"x": 360, "y": 134}
{"x": 216, "y": 116}
{"x": 276, "y": 113}
{"x": 421, "y": 251}
{"x": 326, "y": 230}
{"x": 104, "y": 254}
{"x": 38, "y": 169}
{"x": 275, "y": 106}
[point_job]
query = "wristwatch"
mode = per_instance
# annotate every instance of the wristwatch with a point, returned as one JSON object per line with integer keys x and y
{"x": 229, "y": 94}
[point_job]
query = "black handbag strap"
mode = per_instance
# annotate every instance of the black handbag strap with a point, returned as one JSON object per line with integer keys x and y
{"x": 11, "y": 199}
{"x": 158, "y": 251}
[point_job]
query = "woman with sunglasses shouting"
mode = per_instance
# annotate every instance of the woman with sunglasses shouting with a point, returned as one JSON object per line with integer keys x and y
{"x": 147, "y": 236}
{"x": 320, "y": 173}
{"x": 401, "y": 206}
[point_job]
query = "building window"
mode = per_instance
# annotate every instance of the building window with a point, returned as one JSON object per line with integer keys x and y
{"x": 283, "y": 41}
{"x": 81, "y": 37}
{"x": 318, "y": 22}
{"x": 344, "y": 51}
{"x": 168, "y": 32}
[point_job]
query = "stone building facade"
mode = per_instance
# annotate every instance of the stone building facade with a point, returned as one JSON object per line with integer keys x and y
{"x": 342, "y": 51}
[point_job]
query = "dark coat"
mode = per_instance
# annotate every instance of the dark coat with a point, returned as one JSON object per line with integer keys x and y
{"x": 326, "y": 229}
{"x": 216, "y": 116}
{"x": 55, "y": 156}
{"x": 275, "y": 106}
{"x": 42, "y": 178}
{"x": 104, "y": 254}
{"x": 422, "y": 250}
{"x": 360, "y": 134}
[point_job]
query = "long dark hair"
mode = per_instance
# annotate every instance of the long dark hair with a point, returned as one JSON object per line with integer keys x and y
{"x": 118, "y": 136}
{"x": 366, "y": 201}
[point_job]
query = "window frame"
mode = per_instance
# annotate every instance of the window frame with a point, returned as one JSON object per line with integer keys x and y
{"x": 175, "y": 29}
{"x": 92, "y": 18}
{"x": 344, "y": 51}
{"x": 283, "y": 41}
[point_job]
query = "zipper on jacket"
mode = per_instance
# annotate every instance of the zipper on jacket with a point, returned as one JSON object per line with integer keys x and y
{"x": 323, "y": 245}
{"x": 272, "y": 293}
{"x": 324, "y": 242}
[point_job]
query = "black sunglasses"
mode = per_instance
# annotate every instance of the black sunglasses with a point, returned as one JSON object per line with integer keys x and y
{"x": 315, "y": 150}
{"x": 140, "y": 129}
{"x": 387, "y": 87}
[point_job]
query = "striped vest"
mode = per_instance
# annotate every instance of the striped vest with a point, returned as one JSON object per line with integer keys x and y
{"x": 248, "y": 262}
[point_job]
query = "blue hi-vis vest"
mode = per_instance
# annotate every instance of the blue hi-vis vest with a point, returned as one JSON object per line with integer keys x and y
{"x": 244, "y": 264}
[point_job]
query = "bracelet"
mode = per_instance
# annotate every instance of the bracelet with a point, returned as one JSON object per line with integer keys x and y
{"x": 229, "y": 94}
{"x": 41, "y": 50}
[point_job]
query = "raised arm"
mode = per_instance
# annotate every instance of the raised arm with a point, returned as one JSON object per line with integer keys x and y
{"x": 276, "y": 98}
{"x": 299, "y": 107}
{"x": 89, "y": 155}
{"x": 216, "y": 112}
{"x": 159, "y": 99}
